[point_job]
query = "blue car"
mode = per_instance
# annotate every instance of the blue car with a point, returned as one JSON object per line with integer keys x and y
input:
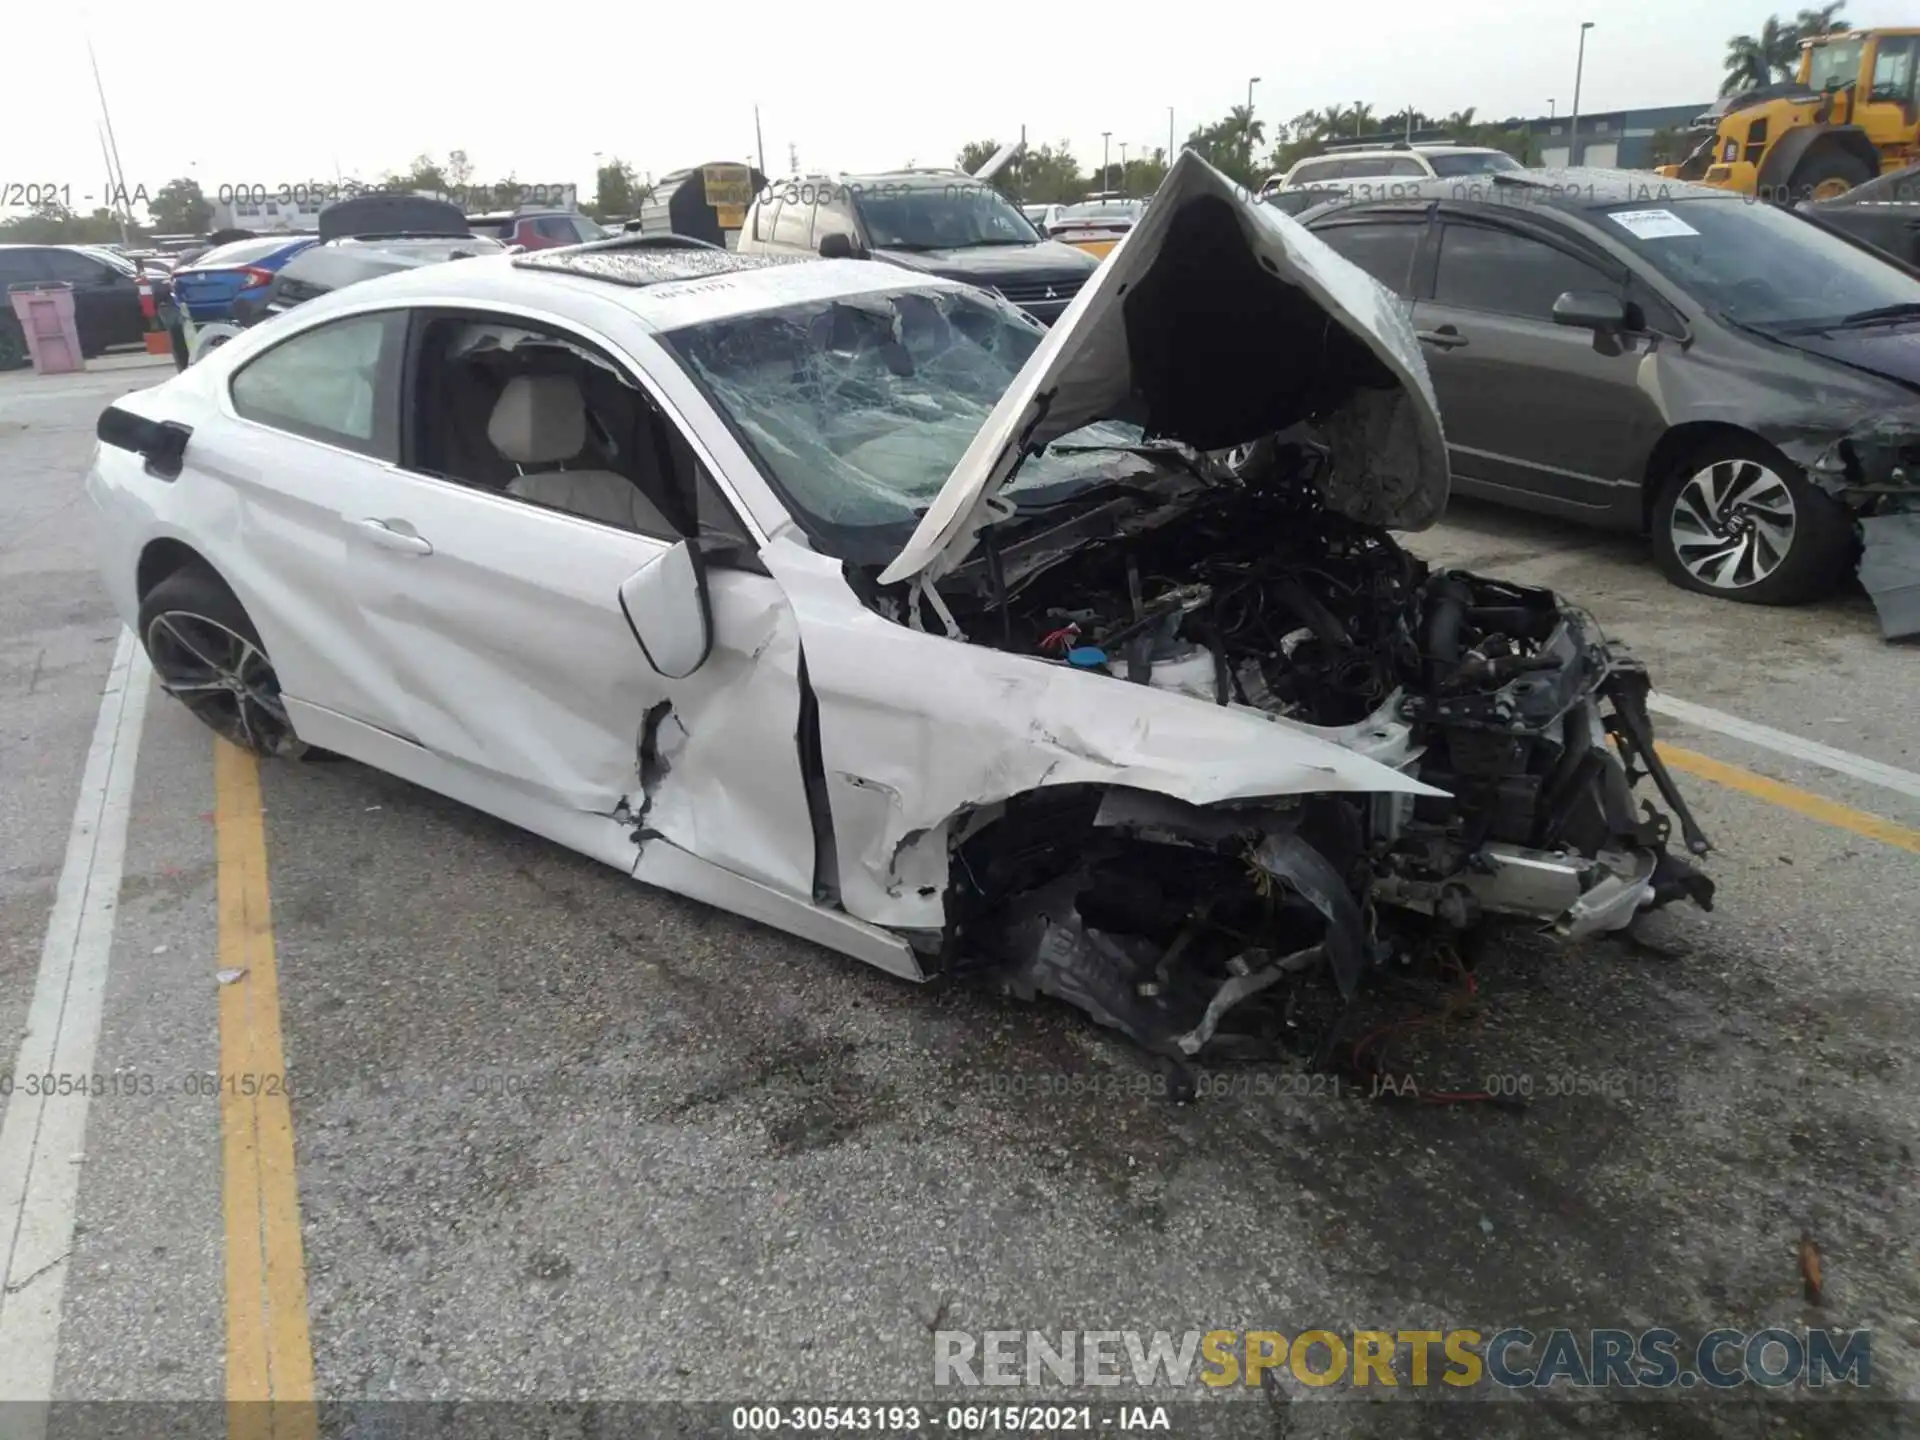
{"x": 208, "y": 287}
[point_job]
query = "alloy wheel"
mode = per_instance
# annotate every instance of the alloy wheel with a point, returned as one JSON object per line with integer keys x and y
{"x": 1238, "y": 458}
{"x": 1732, "y": 524}
{"x": 224, "y": 678}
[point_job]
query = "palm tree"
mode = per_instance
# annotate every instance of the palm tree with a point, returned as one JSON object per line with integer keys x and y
{"x": 1756, "y": 60}
{"x": 1811, "y": 24}
{"x": 1460, "y": 121}
{"x": 1361, "y": 118}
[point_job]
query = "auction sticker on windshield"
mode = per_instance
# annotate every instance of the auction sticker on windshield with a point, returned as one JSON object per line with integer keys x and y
{"x": 1651, "y": 224}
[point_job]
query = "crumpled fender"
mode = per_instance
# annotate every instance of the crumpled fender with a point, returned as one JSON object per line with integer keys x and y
{"x": 917, "y": 730}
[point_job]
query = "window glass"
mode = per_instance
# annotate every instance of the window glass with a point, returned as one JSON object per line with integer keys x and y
{"x": 322, "y": 384}
{"x": 1893, "y": 68}
{"x": 1482, "y": 164}
{"x": 834, "y": 218}
{"x": 1383, "y": 249}
{"x": 929, "y": 217}
{"x": 72, "y": 266}
{"x": 241, "y": 252}
{"x": 19, "y": 265}
{"x": 1509, "y": 274}
{"x": 1655, "y": 313}
{"x": 1761, "y": 265}
{"x": 856, "y": 411}
{"x": 794, "y": 224}
{"x": 1361, "y": 166}
{"x": 1405, "y": 165}
{"x": 1833, "y": 64}
{"x": 1317, "y": 170}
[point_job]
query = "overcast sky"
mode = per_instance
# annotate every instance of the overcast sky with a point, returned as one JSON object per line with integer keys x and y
{"x": 535, "y": 90}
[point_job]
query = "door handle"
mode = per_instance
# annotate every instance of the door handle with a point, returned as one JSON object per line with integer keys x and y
{"x": 1445, "y": 338}
{"x": 388, "y": 538}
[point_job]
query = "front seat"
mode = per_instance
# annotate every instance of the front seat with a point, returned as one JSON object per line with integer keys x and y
{"x": 542, "y": 420}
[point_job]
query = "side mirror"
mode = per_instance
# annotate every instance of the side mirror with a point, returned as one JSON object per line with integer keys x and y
{"x": 837, "y": 246}
{"x": 1591, "y": 310}
{"x": 665, "y": 602}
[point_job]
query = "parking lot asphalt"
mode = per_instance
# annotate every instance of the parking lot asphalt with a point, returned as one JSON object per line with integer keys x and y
{"x": 555, "y": 1135}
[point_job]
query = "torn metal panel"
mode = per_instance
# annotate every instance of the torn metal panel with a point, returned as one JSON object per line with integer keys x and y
{"x": 917, "y": 729}
{"x": 723, "y": 765}
{"x": 1890, "y": 571}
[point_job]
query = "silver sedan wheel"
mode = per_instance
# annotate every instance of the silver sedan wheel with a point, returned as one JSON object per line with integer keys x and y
{"x": 1732, "y": 524}
{"x": 224, "y": 678}
{"x": 1238, "y": 458}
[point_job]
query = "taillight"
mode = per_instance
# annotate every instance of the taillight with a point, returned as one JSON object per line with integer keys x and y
{"x": 256, "y": 277}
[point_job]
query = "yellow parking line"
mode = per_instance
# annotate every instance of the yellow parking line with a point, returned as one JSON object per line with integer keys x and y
{"x": 269, "y": 1350}
{"x": 1788, "y": 797}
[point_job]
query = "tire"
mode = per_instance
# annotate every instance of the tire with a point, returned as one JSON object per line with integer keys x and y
{"x": 1826, "y": 173}
{"x": 208, "y": 656}
{"x": 1737, "y": 520}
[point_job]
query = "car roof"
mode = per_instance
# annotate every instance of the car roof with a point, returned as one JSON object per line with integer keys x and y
{"x": 1568, "y": 189}
{"x": 664, "y": 288}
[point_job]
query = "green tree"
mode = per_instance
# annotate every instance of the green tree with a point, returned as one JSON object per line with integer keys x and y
{"x": 1050, "y": 176}
{"x": 1755, "y": 60}
{"x": 1144, "y": 174}
{"x": 1671, "y": 145}
{"x": 1228, "y": 144}
{"x": 976, "y": 153}
{"x": 422, "y": 173}
{"x": 1812, "y": 24}
{"x": 613, "y": 192}
{"x": 179, "y": 208}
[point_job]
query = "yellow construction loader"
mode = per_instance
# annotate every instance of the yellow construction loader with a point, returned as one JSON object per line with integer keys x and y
{"x": 1850, "y": 114}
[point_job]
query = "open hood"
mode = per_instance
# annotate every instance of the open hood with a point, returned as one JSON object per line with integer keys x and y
{"x": 1215, "y": 322}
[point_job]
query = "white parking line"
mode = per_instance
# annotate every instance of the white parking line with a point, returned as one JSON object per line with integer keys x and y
{"x": 1841, "y": 762}
{"x": 43, "y": 1136}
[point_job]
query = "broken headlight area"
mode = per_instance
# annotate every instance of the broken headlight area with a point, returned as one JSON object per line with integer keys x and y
{"x": 1874, "y": 470}
{"x": 1180, "y": 925}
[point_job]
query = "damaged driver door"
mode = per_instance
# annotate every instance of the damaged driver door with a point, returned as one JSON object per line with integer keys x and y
{"x": 498, "y": 629}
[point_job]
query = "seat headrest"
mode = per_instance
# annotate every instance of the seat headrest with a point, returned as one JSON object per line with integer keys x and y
{"x": 539, "y": 419}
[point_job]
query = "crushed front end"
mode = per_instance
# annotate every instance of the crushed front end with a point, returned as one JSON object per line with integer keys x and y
{"x": 1191, "y": 928}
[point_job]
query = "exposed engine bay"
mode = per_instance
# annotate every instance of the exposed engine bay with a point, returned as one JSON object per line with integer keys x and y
{"x": 1178, "y": 925}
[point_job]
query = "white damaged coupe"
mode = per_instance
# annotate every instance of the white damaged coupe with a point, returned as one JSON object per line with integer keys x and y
{"x": 852, "y": 601}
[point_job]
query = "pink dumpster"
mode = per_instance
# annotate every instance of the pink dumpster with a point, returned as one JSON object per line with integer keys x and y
{"x": 45, "y": 309}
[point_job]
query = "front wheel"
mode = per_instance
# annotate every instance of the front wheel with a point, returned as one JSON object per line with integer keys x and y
{"x": 209, "y": 657}
{"x": 1737, "y": 520}
{"x": 1826, "y": 175}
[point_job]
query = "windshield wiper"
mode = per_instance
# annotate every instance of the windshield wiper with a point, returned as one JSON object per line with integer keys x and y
{"x": 1906, "y": 309}
{"x": 1902, "y": 311}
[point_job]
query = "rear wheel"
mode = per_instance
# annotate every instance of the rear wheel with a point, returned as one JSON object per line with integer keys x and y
{"x": 1739, "y": 521}
{"x": 209, "y": 657}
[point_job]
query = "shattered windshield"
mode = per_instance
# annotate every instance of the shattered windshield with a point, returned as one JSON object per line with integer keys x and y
{"x": 857, "y": 409}
{"x": 941, "y": 217}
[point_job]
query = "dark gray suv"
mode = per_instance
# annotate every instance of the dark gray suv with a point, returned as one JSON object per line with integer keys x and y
{"x": 940, "y": 222}
{"x": 1737, "y": 380}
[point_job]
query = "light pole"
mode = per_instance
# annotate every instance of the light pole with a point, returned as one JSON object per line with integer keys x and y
{"x": 1573, "y": 119}
{"x": 1358, "y": 110}
{"x": 1551, "y": 102}
{"x": 1169, "y": 134}
{"x": 1123, "y": 167}
{"x": 1105, "y": 137}
{"x": 1250, "y": 84}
